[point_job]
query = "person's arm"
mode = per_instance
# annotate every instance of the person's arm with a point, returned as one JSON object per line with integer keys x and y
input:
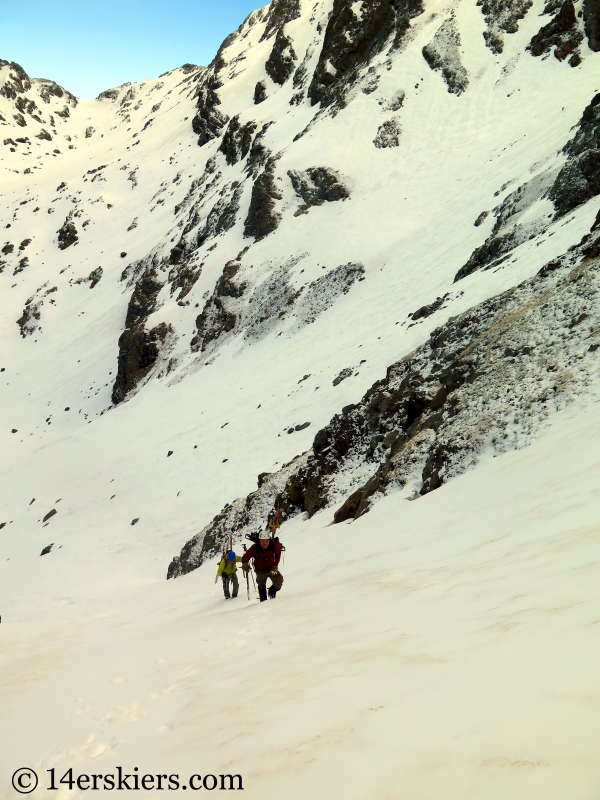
{"x": 221, "y": 568}
{"x": 238, "y": 558}
{"x": 249, "y": 554}
{"x": 277, "y": 549}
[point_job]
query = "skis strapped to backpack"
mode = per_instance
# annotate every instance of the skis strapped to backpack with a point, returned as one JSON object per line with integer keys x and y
{"x": 273, "y": 524}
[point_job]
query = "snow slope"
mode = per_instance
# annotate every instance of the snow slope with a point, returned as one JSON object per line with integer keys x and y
{"x": 421, "y": 634}
{"x": 444, "y": 647}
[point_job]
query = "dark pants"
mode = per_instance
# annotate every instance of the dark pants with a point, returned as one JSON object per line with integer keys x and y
{"x": 261, "y": 582}
{"x": 234, "y": 580}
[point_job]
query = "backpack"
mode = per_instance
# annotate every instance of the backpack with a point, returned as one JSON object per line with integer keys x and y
{"x": 253, "y": 537}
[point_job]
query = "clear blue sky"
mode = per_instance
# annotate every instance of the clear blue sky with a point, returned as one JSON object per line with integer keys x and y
{"x": 91, "y": 45}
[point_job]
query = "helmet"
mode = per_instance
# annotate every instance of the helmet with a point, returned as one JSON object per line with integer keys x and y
{"x": 264, "y": 535}
{"x": 231, "y": 556}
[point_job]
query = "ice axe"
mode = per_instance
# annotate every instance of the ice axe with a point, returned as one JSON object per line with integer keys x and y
{"x": 247, "y": 581}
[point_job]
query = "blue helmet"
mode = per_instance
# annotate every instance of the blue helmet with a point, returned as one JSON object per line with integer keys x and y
{"x": 231, "y": 556}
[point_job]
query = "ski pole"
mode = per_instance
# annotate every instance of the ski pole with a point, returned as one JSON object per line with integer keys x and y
{"x": 248, "y": 586}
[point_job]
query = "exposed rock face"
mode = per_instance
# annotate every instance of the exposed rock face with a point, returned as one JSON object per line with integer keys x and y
{"x": 16, "y": 83}
{"x": 443, "y": 54}
{"x": 139, "y": 348}
{"x": 67, "y": 235}
{"x": 317, "y": 185}
{"x": 591, "y": 18}
{"x": 259, "y": 153}
{"x": 49, "y": 89}
{"x": 579, "y": 179}
{"x": 143, "y": 299}
{"x": 280, "y": 13}
{"x": 486, "y": 380}
{"x": 352, "y": 38}
{"x": 109, "y": 94}
{"x": 502, "y": 16}
{"x": 388, "y": 134}
{"x": 216, "y": 317}
{"x": 561, "y": 32}
{"x": 280, "y": 63}
{"x": 223, "y": 214}
{"x": 209, "y": 121}
{"x": 138, "y": 351}
{"x": 184, "y": 278}
{"x": 262, "y": 217}
{"x": 237, "y": 140}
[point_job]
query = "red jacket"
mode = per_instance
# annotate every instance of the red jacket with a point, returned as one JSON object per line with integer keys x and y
{"x": 264, "y": 560}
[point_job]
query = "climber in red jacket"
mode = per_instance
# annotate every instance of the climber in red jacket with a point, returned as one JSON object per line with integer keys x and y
{"x": 266, "y": 554}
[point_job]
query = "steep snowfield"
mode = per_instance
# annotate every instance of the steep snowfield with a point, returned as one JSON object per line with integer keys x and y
{"x": 438, "y": 647}
{"x": 445, "y": 647}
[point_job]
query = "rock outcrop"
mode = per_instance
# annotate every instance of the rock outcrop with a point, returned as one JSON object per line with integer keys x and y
{"x": 355, "y": 34}
{"x": 318, "y": 185}
{"x": 579, "y": 179}
{"x": 280, "y": 64}
{"x": 591, "y": 19}
{"x": 443, "y": 55}
{"x": 262, "y": 218}
{"x": 139, "y": 348}
{"x": 67, "y": 234}
{"x": 388, "y": 134}
{"x": 502, "y": 16}
{"x": 216, "y": 317}
{"x": 562, "y": 33}
{"x": 237, "y": 140}
{"x": 209, "y": 122}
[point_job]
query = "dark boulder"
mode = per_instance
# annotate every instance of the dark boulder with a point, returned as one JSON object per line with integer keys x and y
{"x": 67, "y": 235}
{"x": 260, "y": 92}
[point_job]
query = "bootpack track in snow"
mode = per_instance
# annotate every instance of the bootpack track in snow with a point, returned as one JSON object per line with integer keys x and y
{"x": 317, "y": 323}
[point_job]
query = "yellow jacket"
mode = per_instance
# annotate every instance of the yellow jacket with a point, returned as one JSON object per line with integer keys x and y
{"x": 228, "y": 567}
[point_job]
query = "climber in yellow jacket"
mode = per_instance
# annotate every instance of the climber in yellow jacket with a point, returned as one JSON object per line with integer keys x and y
{"x": 227, "y": 571}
